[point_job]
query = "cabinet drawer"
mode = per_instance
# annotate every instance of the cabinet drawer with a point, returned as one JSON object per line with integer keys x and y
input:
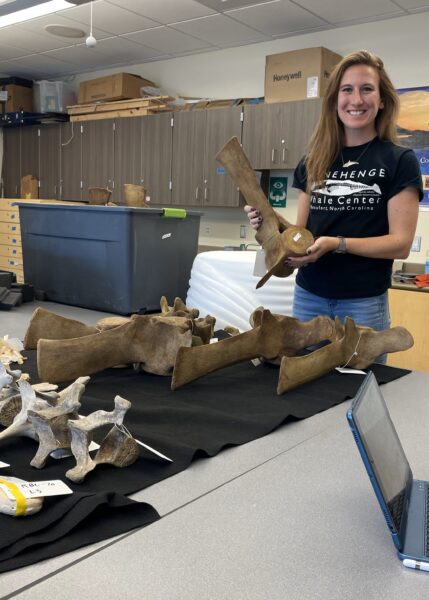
{"x": 9, "y": 216}
{"x": 7, "y": 203}
{"x": 10, "y": 251}
{"x": 11, "y": 264}
{"x": 12, "y": 228}
{"x": 6, "y": 239}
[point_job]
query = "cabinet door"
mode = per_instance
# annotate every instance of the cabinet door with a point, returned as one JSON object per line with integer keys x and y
{"x": 188, "y": 158}
{"x": 12, "y": 161}
{"x": 49, "y": 172}
{"x": 71, "y": 161}
{"x": 127, "y": 155}
{"x": 221, "y": 125}
{"x": 97, "y": 154}
{"x": 30, "y": 151}
{"x": 261, "y": 139}
{"x": 156, "y": 144}
{"x": 298, "y": 120}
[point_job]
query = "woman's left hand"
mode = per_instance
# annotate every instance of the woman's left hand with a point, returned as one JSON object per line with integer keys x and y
{"x": 321, "y": 246}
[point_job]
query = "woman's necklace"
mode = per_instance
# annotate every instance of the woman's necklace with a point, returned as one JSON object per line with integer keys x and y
{"x": 349, "y": 163}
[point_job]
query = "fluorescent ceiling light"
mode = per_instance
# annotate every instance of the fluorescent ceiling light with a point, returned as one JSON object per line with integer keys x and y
{"x": 33, "y": 12}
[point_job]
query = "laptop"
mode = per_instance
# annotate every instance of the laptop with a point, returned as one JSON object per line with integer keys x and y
{"x": 403, "y": 500}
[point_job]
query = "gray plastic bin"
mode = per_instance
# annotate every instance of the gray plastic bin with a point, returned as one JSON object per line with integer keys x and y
{"x": 115, "y": 259}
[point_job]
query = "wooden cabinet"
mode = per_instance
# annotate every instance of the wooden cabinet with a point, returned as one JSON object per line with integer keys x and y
{"x": 30, "y": 151}
{"x": 410, "y": 309}
{"x": 187, "y": 173}
{"x": 126, "y": 155}
{"x": 70, "y": 161}
{"x": 49, "y": 161}
{"x": 171, "y": 154}
{"x": 197, "y": 179}
{"x": 275, "y": 136}
{"x": 221, "y": 125}
{"x": 12, "y": 161}
{"x": 97, "y": 155}
{"x": 156, "y": 152}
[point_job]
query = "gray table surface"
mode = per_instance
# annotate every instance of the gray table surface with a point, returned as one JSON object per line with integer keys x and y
{"x": 289, "y": 516}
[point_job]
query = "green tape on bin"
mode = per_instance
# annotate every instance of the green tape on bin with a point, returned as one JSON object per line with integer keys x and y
{"x": 175, "y": 213}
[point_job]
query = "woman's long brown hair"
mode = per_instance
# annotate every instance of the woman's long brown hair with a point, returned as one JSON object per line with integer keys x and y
{"x": 328, "y": 137}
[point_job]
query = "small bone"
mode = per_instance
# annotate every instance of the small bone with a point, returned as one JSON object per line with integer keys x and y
{"x": 9, "y": 507}
{"x": 51, "y": 424}
{"x": 80, "y": 433}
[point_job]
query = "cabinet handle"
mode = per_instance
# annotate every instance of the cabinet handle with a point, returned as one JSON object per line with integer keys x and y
{"x": 205, "y": 193}
{"x": 273, "y": 152}
{"x": 197, "y": 191}
{"x": 283, "y": 154}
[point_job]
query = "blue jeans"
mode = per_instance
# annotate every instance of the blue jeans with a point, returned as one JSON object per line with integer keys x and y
{"x": 372, "y": 312}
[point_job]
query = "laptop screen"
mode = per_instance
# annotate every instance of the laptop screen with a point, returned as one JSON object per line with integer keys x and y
{"x": 380, "y": 440}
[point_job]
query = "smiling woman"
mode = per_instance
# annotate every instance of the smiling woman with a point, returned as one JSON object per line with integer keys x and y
{"x": 359, "y": 193}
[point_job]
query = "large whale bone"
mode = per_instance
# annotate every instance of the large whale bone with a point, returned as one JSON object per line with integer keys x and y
{"x": 48, "y": 325}
{"x": 116, "y": 449}
{"x": 273, "y": 337}
{"x": 356, "y": 347}
{"x": 278, "y": 239}
{"x": 51, "y": 424}
{"x": 150, "y": 340}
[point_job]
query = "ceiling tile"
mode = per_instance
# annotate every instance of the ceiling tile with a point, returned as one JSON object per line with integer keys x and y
{"x": 220, "y": 31}
{"x": 276, "y": 17}
{"x": 348, "y": 10}
{"x": 168, "y": 40}
{"x": 413, "y": 4}
{"x": 165, "y": 11}
{"x": 37, "y": 26}
{"x": 28, "y": 40}
{"x": 110, "y": 18}
{"x": 224, "y": 5}
{"x": 7, "y": 52}
{"x": 119, "y": 48}
{"x": 40, "y": 66}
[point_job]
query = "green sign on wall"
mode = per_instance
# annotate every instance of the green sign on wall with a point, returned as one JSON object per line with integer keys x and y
{"x": 278, "y": 192}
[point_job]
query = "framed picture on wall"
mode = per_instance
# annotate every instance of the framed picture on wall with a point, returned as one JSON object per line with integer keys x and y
{"x": 413, "y": 130}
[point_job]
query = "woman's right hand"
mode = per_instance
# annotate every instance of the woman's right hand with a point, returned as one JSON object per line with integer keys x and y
{"x": 253, "y": 215}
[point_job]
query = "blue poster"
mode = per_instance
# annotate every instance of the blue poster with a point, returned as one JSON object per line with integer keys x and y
{"x": 413, "y": 130}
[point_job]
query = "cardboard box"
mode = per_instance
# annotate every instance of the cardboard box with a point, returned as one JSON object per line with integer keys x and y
{"x": 14, "y": 98}
{"x": 298, "y": 74}
{"x": 120, "y": 86}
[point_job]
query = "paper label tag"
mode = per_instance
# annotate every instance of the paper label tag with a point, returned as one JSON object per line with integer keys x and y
{"x": 350, "y": 371}
{"x": 312, "y": 87}
{"x": 255, "y": 362}
{"x": 38, "y": 489}
{"x": 3, "y": 465}
{"x": 3, "y": 96}
{"x": 213, "y": 340}
{"x": 165, "y": 236}
{"x": 297, "y": 237}
{"x": 259, "y": 268}
{"x": 154, "y": 451}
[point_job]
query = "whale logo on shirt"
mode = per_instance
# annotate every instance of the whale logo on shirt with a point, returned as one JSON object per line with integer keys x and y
{"x": 333, "y": 187}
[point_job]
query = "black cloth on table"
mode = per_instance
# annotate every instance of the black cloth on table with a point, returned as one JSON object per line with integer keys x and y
{"x": 230, "y": 407}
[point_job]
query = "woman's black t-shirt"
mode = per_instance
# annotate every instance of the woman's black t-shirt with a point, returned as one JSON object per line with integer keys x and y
{"x": 352, "y": 202}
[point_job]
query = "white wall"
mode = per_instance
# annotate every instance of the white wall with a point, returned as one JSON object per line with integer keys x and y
{"x": 239, "y": 72}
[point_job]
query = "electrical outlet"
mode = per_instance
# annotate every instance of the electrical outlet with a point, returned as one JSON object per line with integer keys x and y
{"x": 243, "y": 232}
{"x": 417, "y": 241}
{"x": 207, "y": 230}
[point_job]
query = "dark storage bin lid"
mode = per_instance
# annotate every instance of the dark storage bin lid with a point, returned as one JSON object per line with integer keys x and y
{"x": 16, "y": 81}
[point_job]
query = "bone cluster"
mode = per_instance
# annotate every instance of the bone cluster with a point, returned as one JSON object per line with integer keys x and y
{"x": 52, "y": 419}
